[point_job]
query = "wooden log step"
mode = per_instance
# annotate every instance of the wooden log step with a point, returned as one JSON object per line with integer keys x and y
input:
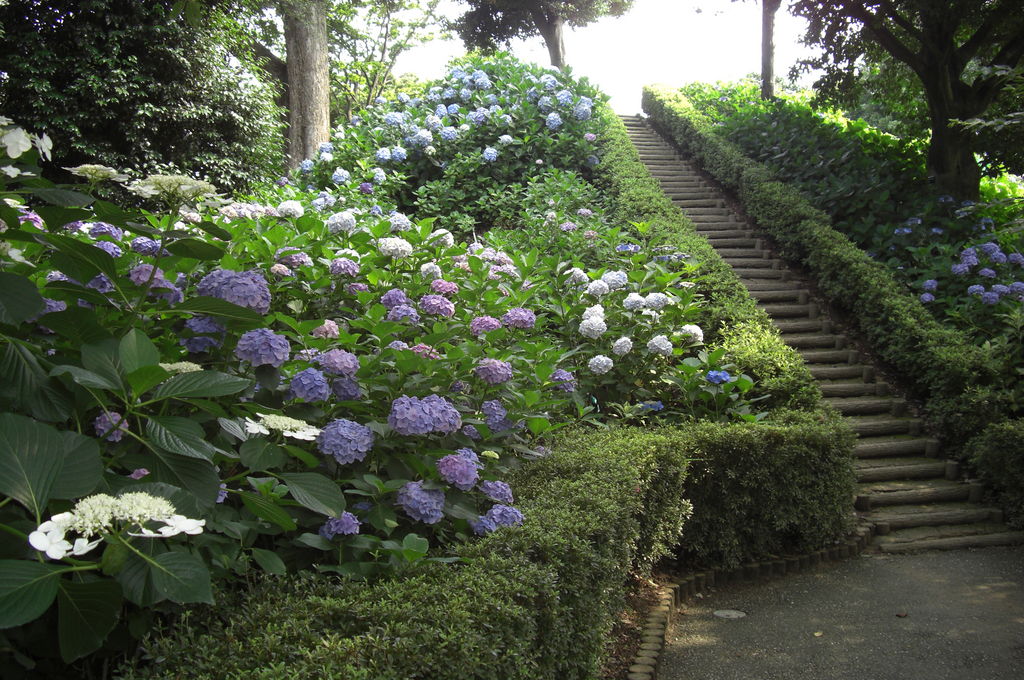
{"x": 686, "y": 202}
{"x": 837, "y": 372}
{"x": 973, "y": 536}
{"x": 802, "y": 326}
{"x": 764, "y": 290}
{"x": 738, "y": 253}
{"x": 810, "y": 310}
{"x": 909, "y": 492}
{"x": 814, "y": 341}
{"x": 858, "y": 388}
{"x": 885, "y": 469}
{"x": 931, "y": 514}
{"x": 849, "y": 406}
{"x": 877, "y": 447}
{"x": 761, "y": 272}
{"x": 871, "y": 426}
{"x": 742, "y": 264}
{"x": 830, "y": 356}
{"x": 733, "y": 241}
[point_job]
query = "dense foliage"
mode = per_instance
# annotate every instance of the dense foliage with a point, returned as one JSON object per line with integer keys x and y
{"x": 997, "y": 456}
{"x": 312, "y": 379}
{"x": 118, "y": 82}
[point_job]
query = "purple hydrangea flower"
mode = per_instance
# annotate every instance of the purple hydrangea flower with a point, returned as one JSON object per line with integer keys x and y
{"x": 346, "y": 440}
{"x": 138, "y": 473}
{"x": 442, "y": 287}
{"x": 425, "y": 350}
{"x": 519, "y": 317}
{"x": 500, "y": 492}
{"x": 344, "y": 524}
{"x": 987, "y": 273}
{"x": 990, "y": 298}
{"x": 109, "y": 248}
{"x": 293, "y": 258}
{"x": 339, "y": 362}
{"x": 563, "y": 380}
{"x": 310, "y": 385}
{"x": 210, "y": 334}
{"x": 103, "y": 229}
{"x": 495, "y": 416}
{"x": 927, "y": 297}
{"x": 975, "y": 289}
{"x": 263, "y": 347}
{"x": 998, "y": 258}
{"x": 493, "y": 371}
{"x": 247, "y": 289}
{"x": 366, "y": 188}
{"x": 1000, "y": 289}
{"x": 412, "y": 416}
{"x": 346, "y": 389}
{"x": 930, "y": 285}
{"x": 1017, "y": 287}
{"x": 395, "y": 297}
{"x": 402, "y": 312}
{"x": 459, "y": 387}
{"x": 471, "y": 432}
{"x": 960, "y": 269}
{"x": 143, "y": 245}
{"x": 483, "y": 525}
{"x": 398, "y": 344}
{"x": 354, "y": 288}
{"x": 110, "y": 425}
{"x": 1015, "y": 258}
{"x": 101, "y": 283}
{"x": 342, "y": 266}
{"x": 458, "y": 470}
{"x": 422, "y": 505}
{"x": 222, "y": 493}
{"x": 483, "y": 324}
{"x": 717, "y": 377}
{"x": 438, "y": 305}
{"x": 989, "y": 249}
{"x": 498, "y": 516}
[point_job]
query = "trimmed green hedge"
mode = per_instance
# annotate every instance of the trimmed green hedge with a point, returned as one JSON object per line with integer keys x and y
{"x": 951, "y": 374}
{"x": 732, "y": 319}
{"x": 997, "y": 455}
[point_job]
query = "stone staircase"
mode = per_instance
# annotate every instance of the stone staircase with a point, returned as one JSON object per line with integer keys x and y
{"x": 915, "y": 499}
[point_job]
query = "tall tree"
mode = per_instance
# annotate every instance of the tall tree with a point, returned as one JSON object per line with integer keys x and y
{"x": 488, "y": 24}
{"x": 952, "y": 46}
{"x": 309, "y": 92}
{"x": 769, "y": 8}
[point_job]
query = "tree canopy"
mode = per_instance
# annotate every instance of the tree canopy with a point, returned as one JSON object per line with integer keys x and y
{"x": 954, "y": 48}
{"x": 489, "y": 24}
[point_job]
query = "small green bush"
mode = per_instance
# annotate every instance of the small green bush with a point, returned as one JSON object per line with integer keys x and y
{"x": 998, "y": 457}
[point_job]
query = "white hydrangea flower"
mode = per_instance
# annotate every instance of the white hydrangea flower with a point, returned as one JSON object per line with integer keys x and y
{"x": 52, "y": 543}
{"x": 615, "y": 279}
{"x": 593, "y": 327}
{"x": 634, "y": 301}
{"x": 278, "y": 269}
{"x": 598, "y": 288}
{"x": 658, "y": 301}
{"x": 344, "y": 221}
{"x": 577, "y": 275}
{"x": 441, "y": 237}
{"x": 600, "y": 364}
{"x": 394, "y": 247}
{"x": 659, "y": 344}
{"x": 622, "y": 346}
{"x": 694, "y": 332}
{"x": 137, "y": 507}
{"x": 430, "y": 150}
{"x": 430, "y": 271}
{"x": 290, "y": 427}
{"x": 596, "y": 310}
{"x": 291, "y": 209}
{"x": 181, "y": 367}
{"x": 97, "y": 173}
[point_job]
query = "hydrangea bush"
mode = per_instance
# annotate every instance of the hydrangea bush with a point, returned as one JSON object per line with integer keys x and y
{"x": 314, "y": 377}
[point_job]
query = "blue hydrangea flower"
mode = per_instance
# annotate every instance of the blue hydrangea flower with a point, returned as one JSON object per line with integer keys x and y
{"x": 1000, "y": 289}
{"x": 975, "y": 289}
{"x": 103, "y": 229}
{"x": 310, "y": 385}
{"x": 422, "y": 505}
{"x": 989, "y": 249}
{"x": 581, "y": 112}
{"x": 545, "y": 104}
{"x": 1017, "y": 287}
{"x": 553, "y": 121}
{"x": 927, "y": 297}
{"x": 398, "y": 154}
{"x": 209, "y": 334}
{"x": 717, "y": 377}
{"x": 262, "y": 347}
{"x": 143, "y": 245}
{"x": 437, "y": 305}
{"x": 110, "y": 425}
{"x": 346, "y": 389}
{"x": 930, "y": 285}
{"x": 627, "y": 248}
{"x": 395, "y": 297}
{"x": 564, "y": 97}
{"x": 339, "y": 362}
{"x": 393, "y": 118}
{"x": 414, "y": 416}
{"x": 345, "y": 524}
{"x": 987, "y": 273}
{"x": 504, "y": 516}
{"x": 490, "y": 154}
{"x": 399, "y": 221}
{"x": 403, "y": 313}
{"x": 246, "y": 289}
{"x": 458, "y": 470}
{"x": 471, "y": 432}
{"x": 101, "y": 283}
{"x": 990, "y": 298}
{"x": 422, "y": 137}
{"x": 477, "y": 117}
{"x": 652, "y": 406}
{"x": 493, "y": 371}
{"x": 346, "y": 440}
{"x": 499, "y": 492}
{"x": 960, "y": 269}
{"x": 383, "y": 155}
{"x": 341, "y": 176}
{"x": 1015, "y": 258}
{"x": 519, "y": 317}
{"x": 109, "y": 248}
{"x": 379, "y": 176}
{"x": 449, "y": 133}
{"x": 563, "y": 380}
{"x": 453, "y": 109}
{"x": 306, "y": 166}
{"x": 483, "y": 525}
{"x": 326, "y": 147}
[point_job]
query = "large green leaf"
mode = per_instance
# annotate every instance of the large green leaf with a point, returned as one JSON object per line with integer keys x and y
{"x": 316, "y": 492}
{"x": 269, "y": 561}
{"x": 260, "y": 454}
{"x": 268, "y": 510}
{"x": 182, "y": 578}
{"x": 86, "y": 613}
{"x": 65, "y": 198}
{"x": 196, "y": 249}
{"x": 201, "y": 384}
{"x": 25, "y": 383}
{"x": 104, "y": 358}
{"x": 82, "y": 469}
{"x": 146, "y": 378}
{"x": 31, "y": 458}
{"x": 198, "y": 476}
{"x": 19, "y": 299}
{"x": 137, "y": 351}
{"x": 221, "y": 309}
{"x": 179, "y": 435}
{"x": 26, "y": 590}
{"x": 84, "y": 378}
{"x": 135, "y": 573}
{"x": 79, "y": 260}
{"x": 78, "y": 324}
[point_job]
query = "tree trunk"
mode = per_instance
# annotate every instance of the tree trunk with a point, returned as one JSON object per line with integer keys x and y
{"x": 550, "y": 28}
{"x": 951, "y": 162}
{"x": 309, "y": 97}
{"x": 768, "y": 10}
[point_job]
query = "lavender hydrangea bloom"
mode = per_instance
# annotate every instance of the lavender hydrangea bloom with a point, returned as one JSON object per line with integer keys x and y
{"x": 263, "y": 347}
{"x": 717, "y": 377}
{"x": 395, "y": 297}
{"x": 438, "y": 305}
{"x": 926, "y": 298}
{"x": 110, "y": 425}
{"x": 354, "y": 288}
{"x": 345, "y": 524}
{"x": 144, "y": 245}
{"x": 493, "y": 409}
{"x": 413, "y": 416}
{"x": 310, "y": 385}
{"x": 493, "y": 371}
{"x": 459, "y": 471}
{"x": 1017, "y": 287}
{"x": 290, "y": 258}
{"x": 987, "y": 273}
{"x": 1000, "y": 289}
{"x": 204, "y": 327}
{"x": 499, "y": 492}
{"x": 975, "y": 289}
{"x": 483, "y": 324}
{"x": 403, "y": 312}
{"x": 442, "y": 287}
{"x": 519, "y": 317}
{"x": 101, "y": 283}
{"x": 346, "y": 389}
{"x": 246, "y": 289}
{"x": 504, "y": 516}
{"x": 446, "y": 419}
{"x": 931, "y": 285}
{"x": 959, "y": 269}
{"x": 490, "y": 154}
{"x": 103, "y": 229}
{"x": 471, "y": 432}
{"x": 483, "y": 525}
{"x": 990, "y": 298}
{"x": 346, "y": 440}
{"x": 109, "y": 248}
{"x": 563, "y": 380}
{"x": 1015, "y": 258}
{"x": 422, "y": 505}
{"x": 339, "y": 362}
{"x": 553, "y": 121}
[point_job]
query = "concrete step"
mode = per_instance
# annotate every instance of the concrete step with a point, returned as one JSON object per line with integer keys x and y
{"x": 905, "y": 445}
{"x": 882, "y": 425}
{"x": 850, "y": 406}
{"x": 897, "y": 517}
{"x": 857, "y": 388}
{"x": 885, "y": 469}
{"x": 814, "y": 341}
{"x": 779, "y": 311}
{"x": 948, "y": 537}
{"x": 909, "y": 492}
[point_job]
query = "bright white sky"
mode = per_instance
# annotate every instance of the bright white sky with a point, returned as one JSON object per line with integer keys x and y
{"x": 658, "y": 41}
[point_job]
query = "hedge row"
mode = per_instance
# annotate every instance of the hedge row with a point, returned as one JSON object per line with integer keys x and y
{"x": 536, "y": 601}
{"x": 935, "y": 362}
{"x": 998, "y": 457}
{"x": 732, "y": 319}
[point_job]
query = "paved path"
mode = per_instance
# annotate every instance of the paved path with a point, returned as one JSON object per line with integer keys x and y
{"x": 955, "y": 615}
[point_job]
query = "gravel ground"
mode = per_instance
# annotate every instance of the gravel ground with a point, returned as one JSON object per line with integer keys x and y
{"x": 956, "y": 615}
